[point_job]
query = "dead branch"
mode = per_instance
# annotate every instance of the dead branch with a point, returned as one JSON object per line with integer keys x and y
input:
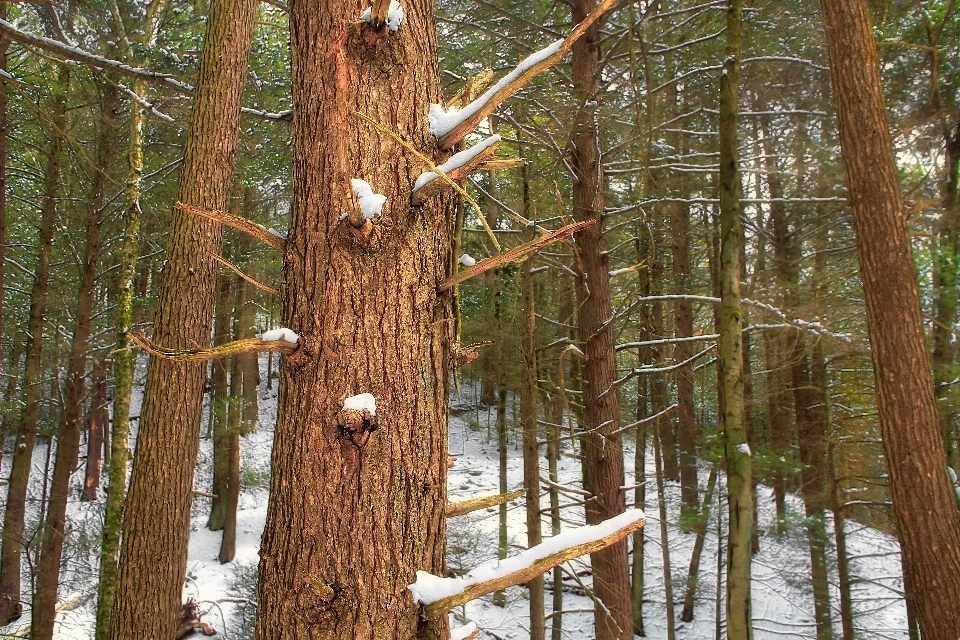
{"x": 475, "y": 504}
{"x": 237, "y": 271}
{"x": 258, "y": 231}
{"x": 248, "y": 345}
{"x": 513, "y": 254}
{"x": 461, "y": 130}
{"x": 471, "y": 166}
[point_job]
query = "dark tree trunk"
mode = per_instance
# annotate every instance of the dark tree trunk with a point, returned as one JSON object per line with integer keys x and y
{"x": 153, "y": 565}
{"x": 924, "y": 505}
{"x": 99, "y": 425}
{"x": 13, "y": 523}
{"x": 603, "y": 450}
{"x": 336, "y": 558}
{"x": 44, "y": 609}
{"x": 683, "y": 312}
{"x": 219, "y": 400}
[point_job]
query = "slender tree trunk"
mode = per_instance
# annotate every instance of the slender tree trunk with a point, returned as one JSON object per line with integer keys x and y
{"x": 99, "y": 422}
{"x": 700, "y": 528}
{"x": 664, "y": 541}
{"x": 4, "y": 44}
{"x": 44, "y": 609}
{"x": 250, "y": 364}
{"x": 336, "y": 559}
{"x": 219, "y": 403}
{"x": 228, "y": 543}
{"x": 152, "y": 567}
{"x": 924, "y": 506}
{"x": 13, "y": 523}
{"x": 683, "y": 312}
{"x": 736, "y": 451}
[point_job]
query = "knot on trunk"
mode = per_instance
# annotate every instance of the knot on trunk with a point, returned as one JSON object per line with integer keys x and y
{"x": 356, "y": 425}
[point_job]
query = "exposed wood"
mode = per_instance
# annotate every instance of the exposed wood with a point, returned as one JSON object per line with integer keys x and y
{"x": 247, "y": 345}
{"x": 475, "y": 504}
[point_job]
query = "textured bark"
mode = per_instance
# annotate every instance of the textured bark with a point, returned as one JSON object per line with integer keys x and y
{"x": 354, "y": 512}
{"x": 98, "y": 422}
{"x": 603, "y": 450}
{"x": 924, "y": 506}
{"x": 44, "y": 609}
{"x": 219, "y": 400}
{"x": 157, "y": 516}
{"x": 683, "y": 316}
{"x": 13, "y": 523}
{"x": 739, "y": 462}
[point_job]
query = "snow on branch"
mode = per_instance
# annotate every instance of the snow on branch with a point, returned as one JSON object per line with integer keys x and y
{"x": 450, "y": 127}
{"x": 474, "y": 504}
{"x": 248, "y": 345}
{"x": 258, "y": 231}
{"x": 459, "y": 165}
{"x": 384, "y": 12}
{"x": 513, "y": 255}
{"x": 439, "y": 595}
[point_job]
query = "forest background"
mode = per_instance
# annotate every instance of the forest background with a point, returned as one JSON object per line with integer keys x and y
{"x": 93, "y": 158}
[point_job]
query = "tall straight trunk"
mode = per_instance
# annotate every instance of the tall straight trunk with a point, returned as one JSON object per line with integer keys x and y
{"x": 4, "y": 44}
{"x": 336, "y": 559}
{"x": 249, "y": 362}
{"x": 98, "y": 424}
{"x": 528, "y": 416}
{"x": 219, "y": 402}
{"x": 683, "y": 315}
{"x": 13, "y": 522}
{"x": 925, "y": 507}
{"x": 503, "y": 539}
{"x": 231, "y": 488}
{"x": 153, "y": 565}
{"x": 664, "y": 539}
{"x": 643, "y": 249}
{"x": 737, "y": 453}
{"x": 44, "y": 609}
{"x": 603, "y": 450}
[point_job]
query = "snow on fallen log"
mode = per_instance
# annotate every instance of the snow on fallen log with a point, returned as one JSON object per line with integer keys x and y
{"x": 439, "y": 595}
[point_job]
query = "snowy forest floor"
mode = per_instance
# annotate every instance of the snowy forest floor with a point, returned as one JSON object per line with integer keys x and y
{"x": 782, "y": 594}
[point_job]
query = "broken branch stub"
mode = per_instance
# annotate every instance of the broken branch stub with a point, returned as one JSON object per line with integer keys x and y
{"x": 440, "y": 595}
{"x": 378, "y": 13}
{"x": 248, "y": 345}
{"x": 249, "y": 227}
{"x": 475, "y": 504}
{"x": 457, "y": 173}
{"x": 502, "y": 93}
{"x": 513, "y": 254}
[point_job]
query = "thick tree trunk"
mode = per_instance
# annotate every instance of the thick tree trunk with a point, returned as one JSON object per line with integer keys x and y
{"x": 603, "y": 450}
{"x": 357, "y": 502}
{"x": 13, "y": 523}
{"x": 737, "y": 453}
{"x": 98, "y": 426}
{"x": 924, "y": 506}
{"x": 153, "y": 565}
{"x": 44, "y": 609}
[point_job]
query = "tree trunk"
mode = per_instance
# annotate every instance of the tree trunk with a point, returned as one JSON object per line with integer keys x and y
{"x": 683, "y": 315}
{"x": 664, "y": 540}
{"x": 44, "y": 609}
{"x": 152, "y": 566}
{"x": 219, "y": 402}
{"x": 4, "y": 44}
{"x": 99, "y": 424}
{"x": 250, "y": 364}
{"x": 231, "y": 488}
{"x": 603, "y": 451}
{"x": 337, "y": 557}
{"x": 700, "y": 528}
{"x": 736, "y": 452}
{"x": 13, "y": 523}
{"x": 924, "y": 506}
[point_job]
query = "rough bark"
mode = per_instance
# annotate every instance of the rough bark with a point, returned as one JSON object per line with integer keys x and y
{"x": 924, "y": 506}
{"x": 153, "y": 565}
{"x": 44, "y": 609}
{"x": 603, "y": 451}
{"x": 736, "y": 454}
{"x": 354, "y": 512}
{"x": 13, "y": 523}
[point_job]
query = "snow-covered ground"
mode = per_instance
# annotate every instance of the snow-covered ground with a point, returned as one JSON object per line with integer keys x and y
{"x": 782, "y": 595}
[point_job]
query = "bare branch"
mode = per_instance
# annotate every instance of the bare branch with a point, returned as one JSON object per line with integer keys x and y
{"x": 237, "y": 271}
{"x": 475, "y": 504}
{"x": 248, "y": 345}
{"x": 258, "y": 231}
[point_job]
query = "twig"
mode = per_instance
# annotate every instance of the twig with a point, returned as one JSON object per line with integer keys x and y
{"x": 475, "y": 504}
{"x": 258, "y": 231}
{"x": 255, "y": 283}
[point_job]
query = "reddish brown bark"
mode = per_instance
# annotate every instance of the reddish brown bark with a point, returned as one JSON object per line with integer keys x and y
{"x": 157, "y": 519}
{"x": 603, "y": 449}
{"x": 356, "y": 506}
{"x": 683, "y": 317}
{"x": 13, "y": 523}
{"x": 924, "y": 505}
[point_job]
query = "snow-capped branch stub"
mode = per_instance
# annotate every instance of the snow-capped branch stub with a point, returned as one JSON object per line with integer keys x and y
{"x": 456, "y": 166}
{"x": 466, "y": 260}
{"x": 394, "y": 17}
{"x": 744, "y": 448}
{"x": 443, "y": 122}
{"x": 282, "y": 333}
{"x": 370, "y": 203}
{"x": 361, "y": 402}
{"x": 442, "y": 594}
